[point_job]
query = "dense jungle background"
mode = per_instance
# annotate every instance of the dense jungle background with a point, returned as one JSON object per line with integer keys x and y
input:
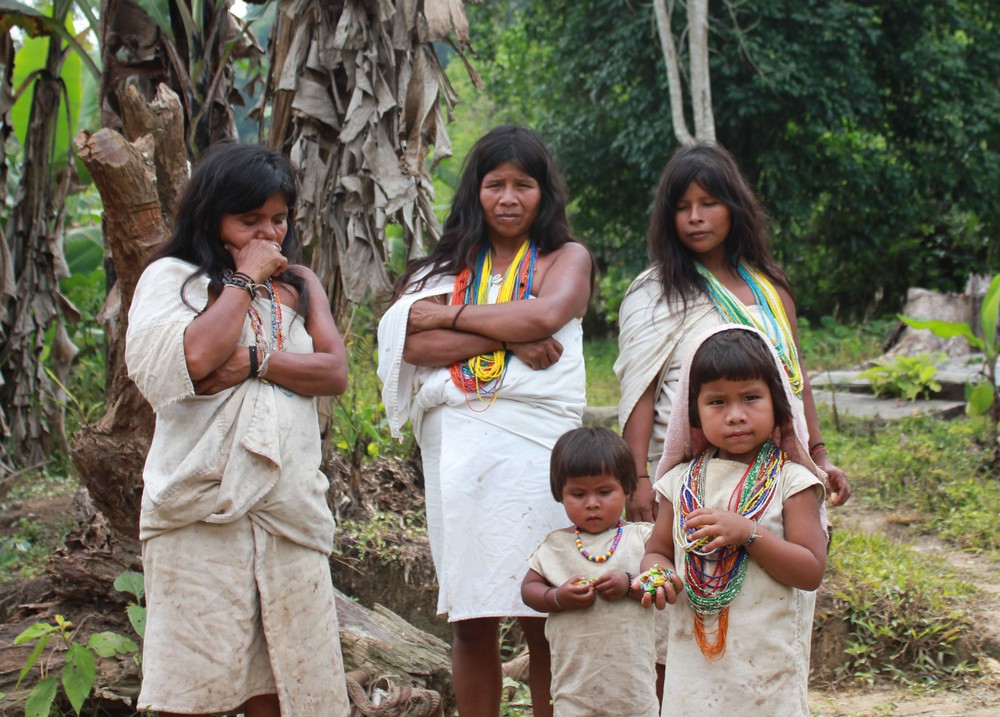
{"x": 869, "y": 129}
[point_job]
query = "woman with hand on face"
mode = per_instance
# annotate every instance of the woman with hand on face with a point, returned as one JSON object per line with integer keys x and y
{"x": 482, "y": 352}
{"x": 231, "y": 342}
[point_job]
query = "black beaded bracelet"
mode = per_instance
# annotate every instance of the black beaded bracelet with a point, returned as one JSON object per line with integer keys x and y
{"x": 254, "y": 368}
{"x": 629, "y": 576}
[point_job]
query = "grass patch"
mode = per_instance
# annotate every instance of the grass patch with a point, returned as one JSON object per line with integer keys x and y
{"x": 903, "y": 613}
{"x": 830, "y": 345}
{"x": 602, "y": 385}
{"x": 936, "y": 469}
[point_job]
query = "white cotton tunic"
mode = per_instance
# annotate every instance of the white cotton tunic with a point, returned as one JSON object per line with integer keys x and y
{"x": 765, "y": 670}
{"x": 486, "y": 464}
{"x": 234, "y": 523}
{"x": 603, "y": 656}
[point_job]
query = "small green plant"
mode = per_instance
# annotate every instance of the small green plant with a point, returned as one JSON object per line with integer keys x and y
{"x": 907, "y": 377}
{"x": 134, "y": 584}
{"x": 983, "y": 396}
{"x": 79, "y": 670}
{"x": 26, "y": 550}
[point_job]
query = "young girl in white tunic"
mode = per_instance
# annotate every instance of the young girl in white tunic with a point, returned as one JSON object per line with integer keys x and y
{"x": 601, "y": 640}
{"x": 739, "y": 520}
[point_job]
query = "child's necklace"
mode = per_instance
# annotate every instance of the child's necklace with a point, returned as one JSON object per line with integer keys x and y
{"x": 714, "y": 579}
{"x": 599, "y": 558}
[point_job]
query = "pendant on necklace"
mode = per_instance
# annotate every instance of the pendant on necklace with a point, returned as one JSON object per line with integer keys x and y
{"x": 496, "y": 279}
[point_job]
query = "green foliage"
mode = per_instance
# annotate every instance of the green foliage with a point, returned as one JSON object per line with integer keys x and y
{"x": 79, "y": 671}
{"x": 380, "y": 534}
{"x": 834, "y": 345}
{"x": 78, "y": 74}
{"x": 360, "y": 430}
{"x": 134, "y": 584}
{"x": 907, "y": 377}
{"x": 602, "y": 385}
{"x": 936, "y": 469}
{"x": 903, "y": 612}
{"x": 835, "y": 111}
{"x": 25, "y": 552}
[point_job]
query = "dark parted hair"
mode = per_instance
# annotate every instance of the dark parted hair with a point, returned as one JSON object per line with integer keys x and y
{"x": 465, "y": 230}
{"x": 737, "y": 355}
{"x": 232, "y": 178}
{"x": 715, "y": 169}
{"x": 591, "y": 452}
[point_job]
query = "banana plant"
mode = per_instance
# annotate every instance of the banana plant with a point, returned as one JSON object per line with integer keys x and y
{"x": 983, "y": 396}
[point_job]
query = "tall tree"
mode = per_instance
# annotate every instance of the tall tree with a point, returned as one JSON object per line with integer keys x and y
{"x": 853, "y": 119}
{"x": 31, "y": 306}
{"x": 698, "y": 76}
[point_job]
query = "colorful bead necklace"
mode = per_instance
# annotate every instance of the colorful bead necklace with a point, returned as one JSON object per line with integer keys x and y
{"x": 773, "y": 319}
{"x": 714, "y": 578}
{"x": 483, "y": 375}
{"x": 599, "y": 558}
{"x": 277, "y": 342}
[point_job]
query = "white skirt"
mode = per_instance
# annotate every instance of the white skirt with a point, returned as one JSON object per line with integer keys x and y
{"x": 234, "y": 612}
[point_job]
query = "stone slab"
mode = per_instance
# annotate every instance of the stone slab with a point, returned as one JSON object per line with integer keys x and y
{"x": 867, "y": 406}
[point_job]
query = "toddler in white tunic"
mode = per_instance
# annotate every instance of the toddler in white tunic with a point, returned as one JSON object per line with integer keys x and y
{"x": 740, "y": 516}
{"x": 602, "y": 642}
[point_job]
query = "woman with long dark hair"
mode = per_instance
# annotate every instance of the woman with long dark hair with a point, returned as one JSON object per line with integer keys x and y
{"x": 482, "y": 352}
{"x": 231, "y": 341}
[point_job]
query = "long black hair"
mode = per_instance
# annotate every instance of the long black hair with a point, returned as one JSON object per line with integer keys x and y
{"x": 465, "y": 230}
{"x": 232, "y": 178}
{"x": 712, "y": 167}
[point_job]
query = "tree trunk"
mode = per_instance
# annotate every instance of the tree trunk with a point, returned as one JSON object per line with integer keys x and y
{"x": 31, "y": 414}
{"x": 701, "y": 86}
{"x": 666, "y": 32}
{"x": 109, "y": 455}
{"x": 699, "y": 79}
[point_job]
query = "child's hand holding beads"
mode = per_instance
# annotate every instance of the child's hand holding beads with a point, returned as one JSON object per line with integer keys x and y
{"x": 718, "y": 528}
{"x": 576, "y": 593}
{"x": 612, "y": 585}
{"x": 658, "y": 586}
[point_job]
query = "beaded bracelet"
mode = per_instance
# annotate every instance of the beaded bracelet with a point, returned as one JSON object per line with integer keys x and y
{"x": 240, "y": 281}
{"x": 753, "y": 534}
{"x": 628, "y": 575}
{"x": 262, "y": 371}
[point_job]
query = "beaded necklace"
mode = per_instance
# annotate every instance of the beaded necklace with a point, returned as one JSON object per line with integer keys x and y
{"x": 773, "y": 319}
{"x": 714, "y": 578}
{"x": 599, "y": 558}
{"x": 483, "y": 375}
{"x": 277, "y": 342}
